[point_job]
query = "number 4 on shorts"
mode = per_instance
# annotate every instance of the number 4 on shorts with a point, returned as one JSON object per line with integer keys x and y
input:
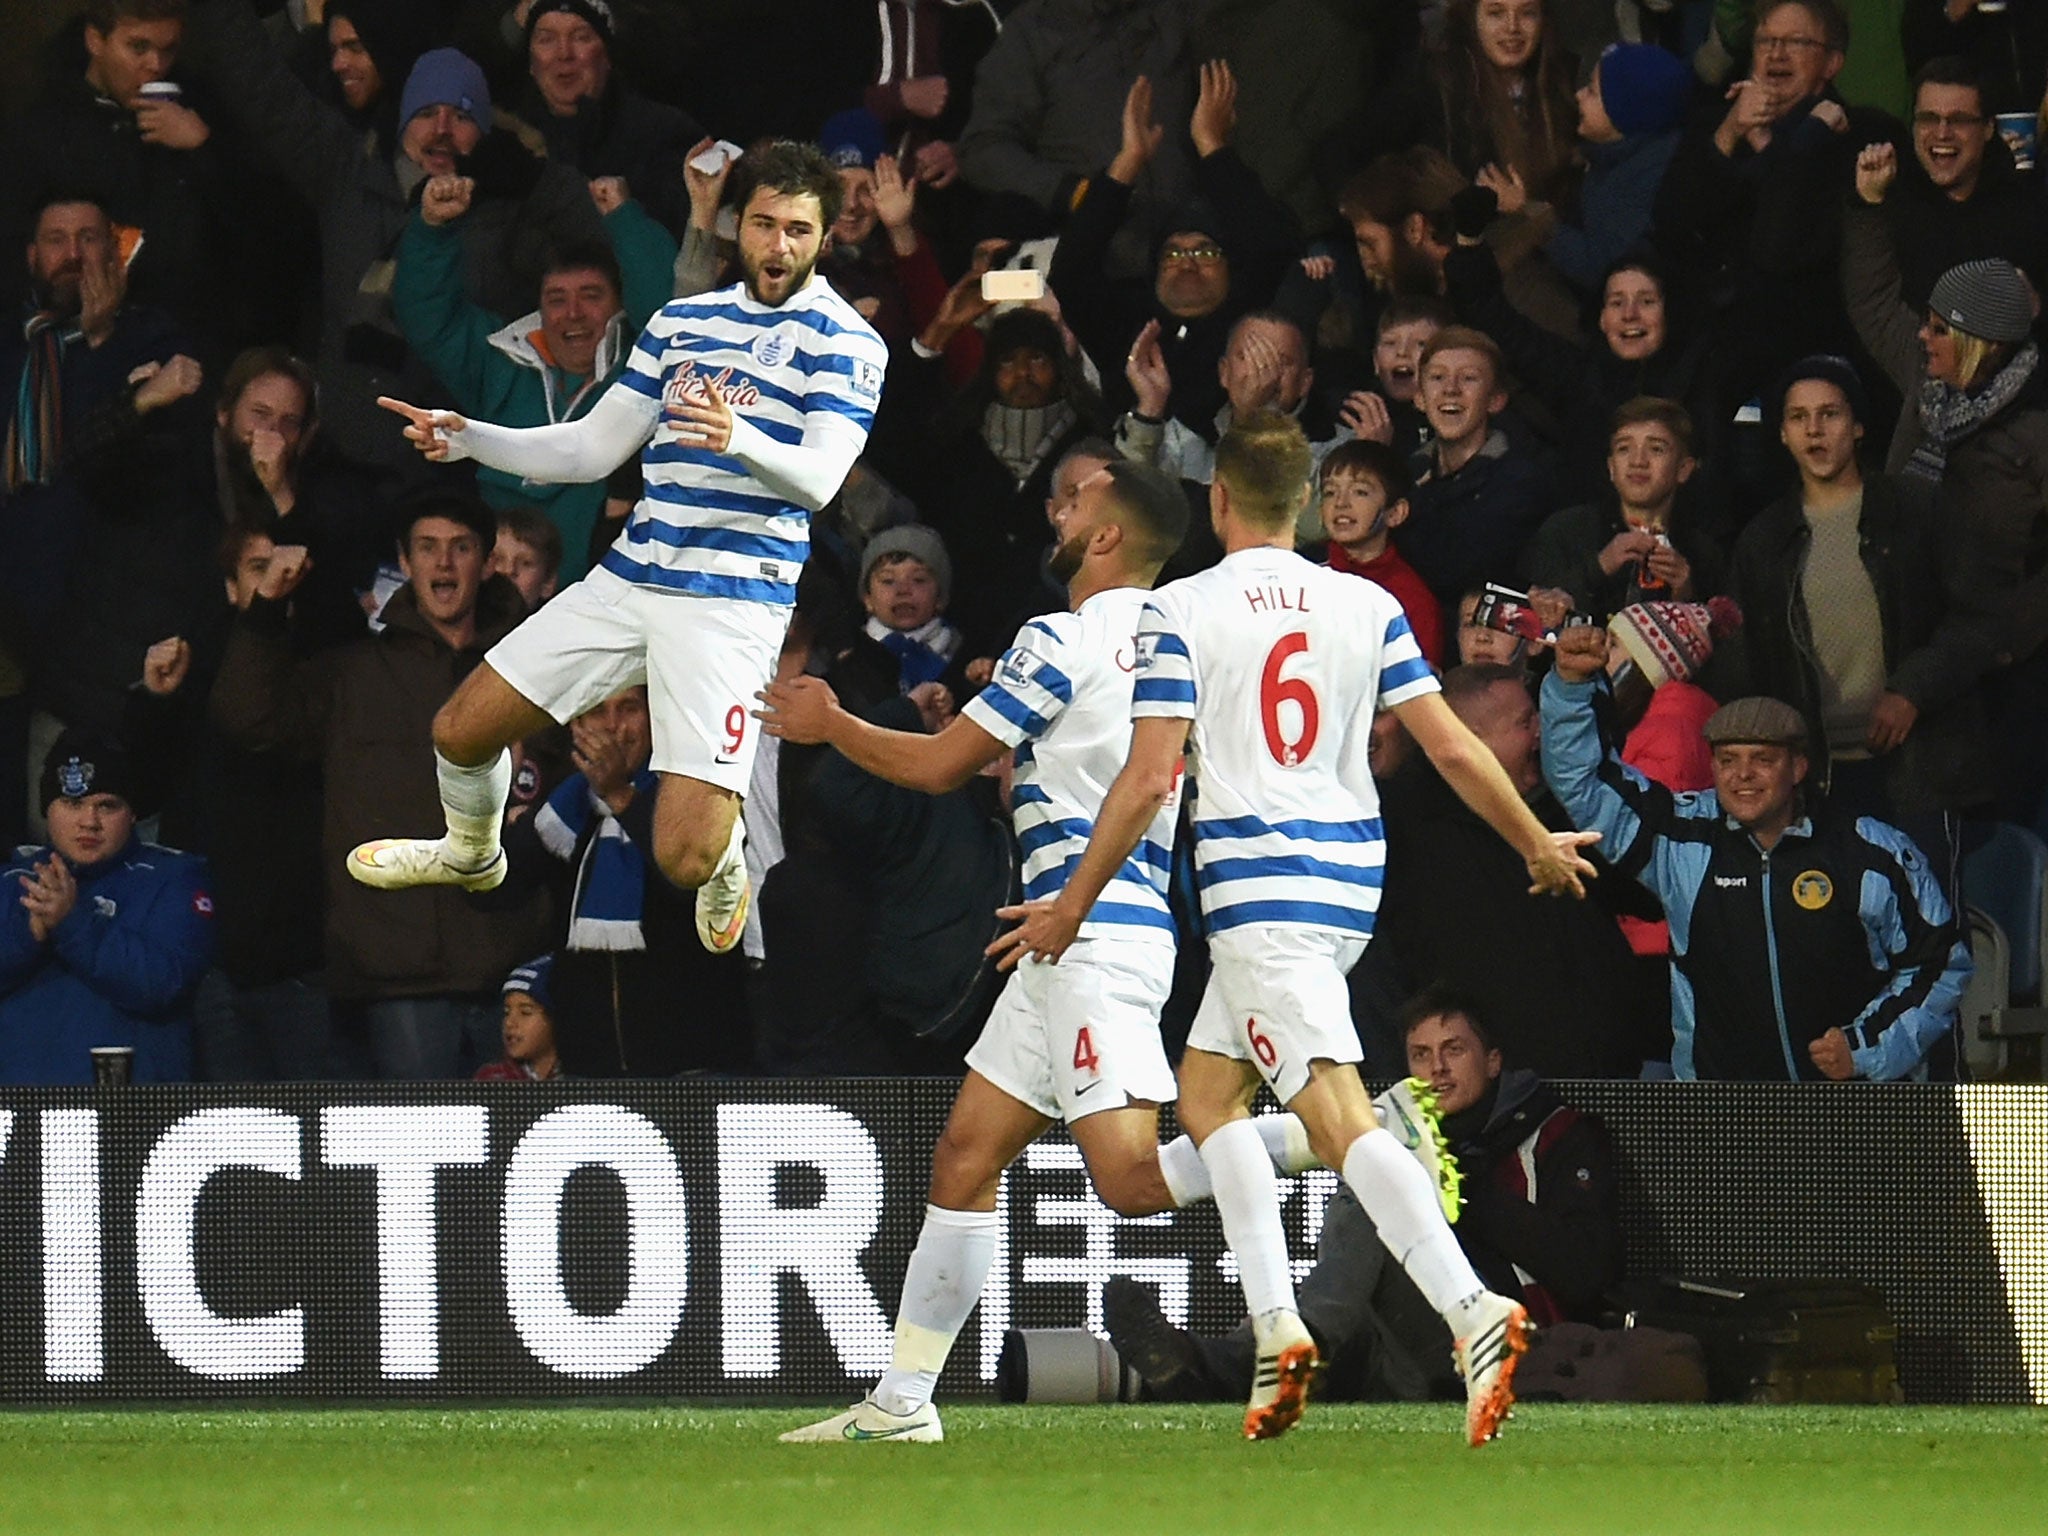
{"x": 1085, "y": 1058}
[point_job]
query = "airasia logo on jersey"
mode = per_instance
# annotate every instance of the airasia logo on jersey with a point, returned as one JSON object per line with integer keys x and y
{"x": 687, "y": 386}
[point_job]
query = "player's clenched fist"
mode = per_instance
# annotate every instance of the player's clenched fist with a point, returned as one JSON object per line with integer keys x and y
{"x": 446, "y": 198}
{"x": 432, "y": 432}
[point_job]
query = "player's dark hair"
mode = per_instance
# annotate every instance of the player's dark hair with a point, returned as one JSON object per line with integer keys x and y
{"x": 587, "y": 256}
{"x": 255, "y": 363}
{"x": 1150, "y": 508}
{"x": 789, "y": 169}
{"x": 1265, "y": 464}
{"x": 537, "y": 531}
{"x": 1651, "y": 409}
{"x": 1378, "y": 462}
{"x": 1087, "y": 448}
{"x": 1441, "y": 1000}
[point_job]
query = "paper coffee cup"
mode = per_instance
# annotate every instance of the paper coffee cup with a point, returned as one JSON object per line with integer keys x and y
{"x": 161, "y": 90}
{"x": 2019, "y": 130}
{"x": 113, "y": 1066}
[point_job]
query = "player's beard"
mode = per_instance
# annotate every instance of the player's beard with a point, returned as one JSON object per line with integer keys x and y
{"x": 1065, "y": 561}
{"x": 798, "y": 276}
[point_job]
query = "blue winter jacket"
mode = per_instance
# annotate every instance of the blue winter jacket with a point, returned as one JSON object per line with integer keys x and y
{"x": 119, "y": 970}
{"x": 1840, "y": 925}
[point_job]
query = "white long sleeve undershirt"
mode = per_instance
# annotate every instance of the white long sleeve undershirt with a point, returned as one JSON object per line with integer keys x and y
{"x": 807, "y": 473}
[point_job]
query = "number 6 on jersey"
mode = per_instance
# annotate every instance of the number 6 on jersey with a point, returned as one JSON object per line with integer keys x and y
{"x": 1274, "y": 691}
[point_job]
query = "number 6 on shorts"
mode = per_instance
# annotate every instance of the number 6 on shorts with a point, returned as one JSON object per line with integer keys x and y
{"x": 1262, "y": 1047}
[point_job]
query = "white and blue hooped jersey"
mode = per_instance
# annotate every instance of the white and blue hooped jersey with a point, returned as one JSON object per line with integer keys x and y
{"x": 808, "y": 368}
{"x": 1280, "y": 664}
{"x": 1061, "y": 697}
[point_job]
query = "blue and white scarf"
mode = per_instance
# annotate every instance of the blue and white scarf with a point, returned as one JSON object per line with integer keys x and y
{"x": 605, "y": 906}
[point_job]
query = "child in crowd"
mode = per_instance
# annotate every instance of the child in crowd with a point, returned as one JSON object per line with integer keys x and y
{"x": 1365, "y": 498}
{"x": 905, "y": 581}
{"x": 528, "y": 553}
{"x": 1477, "y": 643}
{"x": 529, "y": 1029}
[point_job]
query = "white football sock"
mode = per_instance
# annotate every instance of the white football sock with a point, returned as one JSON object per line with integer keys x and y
{"x": 1249, "y": 1202}
{"x": 1396, "y": 1194}
{"x": 1286, "y": 1140}
{"x": 1187, "y": 1177}
{"x": 735, "y": 849}
{"x": 473, "y": 800}
{"x": 947, "y": 1270}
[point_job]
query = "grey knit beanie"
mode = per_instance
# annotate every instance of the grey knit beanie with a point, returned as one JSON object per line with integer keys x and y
{"x": 1987, "y": 299}
{"x": 919, "y": 543}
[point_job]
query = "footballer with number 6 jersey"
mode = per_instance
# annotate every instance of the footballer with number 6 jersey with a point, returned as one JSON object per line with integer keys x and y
{"x": 1078, "y": 1041}
{"x": 1262, "y": 675}
{"x": 748, "y": 407}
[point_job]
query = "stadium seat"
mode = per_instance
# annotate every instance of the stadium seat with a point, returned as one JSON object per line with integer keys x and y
{"x": 1986, "y": 998}
{"x": 2003, "y": 879}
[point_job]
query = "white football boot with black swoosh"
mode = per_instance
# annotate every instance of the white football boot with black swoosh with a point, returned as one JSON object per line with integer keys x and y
{"x": 867, "y": 1420}
{"x": 1486, "y": 1357}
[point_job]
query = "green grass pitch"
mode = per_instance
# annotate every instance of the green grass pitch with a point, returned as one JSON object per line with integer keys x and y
{"x": 1116, "y": 1470}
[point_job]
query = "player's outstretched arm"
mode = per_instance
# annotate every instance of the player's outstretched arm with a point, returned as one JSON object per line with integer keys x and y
{"x": 806, "y": 711}
{"x": 1147, "y": 781}
{"x": 1469, "y": 767}
{"x": 567, "y": 453}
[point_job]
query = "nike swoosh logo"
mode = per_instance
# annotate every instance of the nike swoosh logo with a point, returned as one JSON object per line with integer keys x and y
{"x": 855, "y": 1432}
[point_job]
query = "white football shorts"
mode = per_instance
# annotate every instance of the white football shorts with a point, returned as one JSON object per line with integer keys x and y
{"x": 1277, "y": 998}
{"x": 1072, "y": 1039}
{"x": 702, "y": 658}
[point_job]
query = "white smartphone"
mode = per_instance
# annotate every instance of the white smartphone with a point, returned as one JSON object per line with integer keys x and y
{"x": 1019, "y": 285}
{"x": 716, "y": 158}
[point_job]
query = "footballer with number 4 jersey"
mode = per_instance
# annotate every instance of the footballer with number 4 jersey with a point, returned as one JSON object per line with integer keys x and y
{"x": 747, "y": 406}
{"x": 1261, "y": 677}
{"x": 1078, "y": 1041}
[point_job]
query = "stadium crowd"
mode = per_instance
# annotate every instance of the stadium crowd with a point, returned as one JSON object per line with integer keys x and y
{"x": 1710, "y": 328}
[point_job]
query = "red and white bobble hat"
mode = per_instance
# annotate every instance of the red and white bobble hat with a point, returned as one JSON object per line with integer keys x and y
{"x": 1670, "y": 641}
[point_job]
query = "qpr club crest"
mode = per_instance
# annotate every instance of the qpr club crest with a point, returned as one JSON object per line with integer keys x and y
{"x": 74, "y": 779}
{"x": 772, "y": 349}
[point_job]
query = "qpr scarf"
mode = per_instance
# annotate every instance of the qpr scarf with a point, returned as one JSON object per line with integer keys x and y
{"x": 605, "y": 906}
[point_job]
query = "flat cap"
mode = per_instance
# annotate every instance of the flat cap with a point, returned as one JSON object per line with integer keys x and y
{"x": 1770, "y": 721}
